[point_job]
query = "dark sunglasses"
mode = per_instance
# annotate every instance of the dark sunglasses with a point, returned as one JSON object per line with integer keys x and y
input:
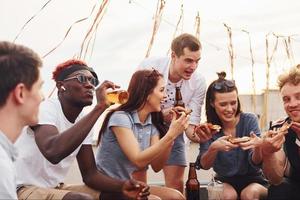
{"x": 221, "y": 85}
{"x": 84, "y": 79}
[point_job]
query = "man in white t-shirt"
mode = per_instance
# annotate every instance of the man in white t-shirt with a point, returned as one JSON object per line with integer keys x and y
{"x": 20, "y": 96}
{"x": 48, "y": 149}
{"x": 179, "y": 71}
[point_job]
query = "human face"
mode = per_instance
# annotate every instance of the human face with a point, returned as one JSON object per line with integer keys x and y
{"x": 157, "y": 96}
{"x": 185, "y": 65}
{"x": 226, "y": 105}
{"x": 32, "y": 100}
{"x": 291, "y": 100}
{"x": 77, "y": 93}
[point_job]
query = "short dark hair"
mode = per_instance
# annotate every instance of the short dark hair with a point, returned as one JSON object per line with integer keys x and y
{"x": 18, "y": 64}
{"x": 185, "y": 40}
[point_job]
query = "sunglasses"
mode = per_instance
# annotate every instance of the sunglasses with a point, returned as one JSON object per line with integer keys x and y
{"x": 84, "y": 79}
{"x": 224, "y": 84}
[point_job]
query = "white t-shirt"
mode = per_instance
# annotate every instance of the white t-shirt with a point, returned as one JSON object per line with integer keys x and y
{"x": 7, "y": 169}
{"x": 32, "y": 167}
{"x": 192, "y": 90}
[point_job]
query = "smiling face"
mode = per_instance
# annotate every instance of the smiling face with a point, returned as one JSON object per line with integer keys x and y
{"x": 291, "y": 100}
{"x": 185, "y": 65}
{"x": 226, "y": 105}
{"x": 157, "y": 96}
{"x": 76, "y": 92}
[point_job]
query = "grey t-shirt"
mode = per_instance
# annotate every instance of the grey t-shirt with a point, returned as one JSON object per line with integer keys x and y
{"x": 110, "y": 158}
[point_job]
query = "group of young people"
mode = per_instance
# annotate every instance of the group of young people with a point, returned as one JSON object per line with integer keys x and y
{"x": 146, "y": 130}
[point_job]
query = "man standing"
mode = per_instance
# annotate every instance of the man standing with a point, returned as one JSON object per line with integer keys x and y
{"x": 63, "y": 134}
{"x": 179, "y": 71}
{"x": 20, "y": 96}
{"x": 282, "y": 165}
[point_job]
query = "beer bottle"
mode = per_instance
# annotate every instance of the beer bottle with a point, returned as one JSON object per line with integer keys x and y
{"x": 192, "y": 185}
{"x": 178, "y": 98}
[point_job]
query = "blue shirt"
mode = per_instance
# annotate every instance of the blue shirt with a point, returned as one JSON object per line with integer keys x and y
{"x": 110, "y": 158}
{"x": 236, "y": 161}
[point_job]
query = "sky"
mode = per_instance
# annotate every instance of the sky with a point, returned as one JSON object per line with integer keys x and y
{"x": 124, "y": 33}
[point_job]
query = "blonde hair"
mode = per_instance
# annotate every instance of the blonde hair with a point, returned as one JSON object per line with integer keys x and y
{"x": 291, "y": 76}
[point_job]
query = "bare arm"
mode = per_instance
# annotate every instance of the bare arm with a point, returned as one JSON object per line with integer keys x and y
{"x": 203, "y": 132}
{"x": 56, "y": 146}
{"x": 274, "y": 159}
{"x": 90, "y": 174}
{"x": 130, "y": 146}
{"x": 158, "y": 163}
{"x": 257, "y": 156}
{"x": 167, "y": 114}
{"x": 255, "y": 144}
{"x": 190, "y": 133}
{"x": 208, "y": 158}
{"x": 100, "y": 182}
{"x": 274, "y": 166}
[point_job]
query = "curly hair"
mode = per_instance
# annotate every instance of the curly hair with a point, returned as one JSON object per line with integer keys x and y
{"x": 59, "y": 68}
{"x": 291, "y": 76}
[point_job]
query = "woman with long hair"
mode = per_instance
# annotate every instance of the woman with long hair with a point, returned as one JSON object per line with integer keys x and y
{"x": 237, "y": 165}
{"x": 133, "y": 135}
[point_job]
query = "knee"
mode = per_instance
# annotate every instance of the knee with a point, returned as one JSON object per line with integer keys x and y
{"x": 254, "y": 192}
{"x": 153, "y": 197}
{"x": 73, "y": 195}
{"x": 175, "y": 184}
{"x": 176, "y": 196}
{"x": 250, "y": 194}
{"x": 230, "y": 195}
{"x": 173, "y": 194}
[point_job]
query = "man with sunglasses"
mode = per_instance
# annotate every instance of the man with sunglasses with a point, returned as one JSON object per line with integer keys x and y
{"x": 63, "y": 133}
{"x": 179, "y": 71}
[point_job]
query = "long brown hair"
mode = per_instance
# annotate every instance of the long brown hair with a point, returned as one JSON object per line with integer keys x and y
{"x": 141, "y": 85}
